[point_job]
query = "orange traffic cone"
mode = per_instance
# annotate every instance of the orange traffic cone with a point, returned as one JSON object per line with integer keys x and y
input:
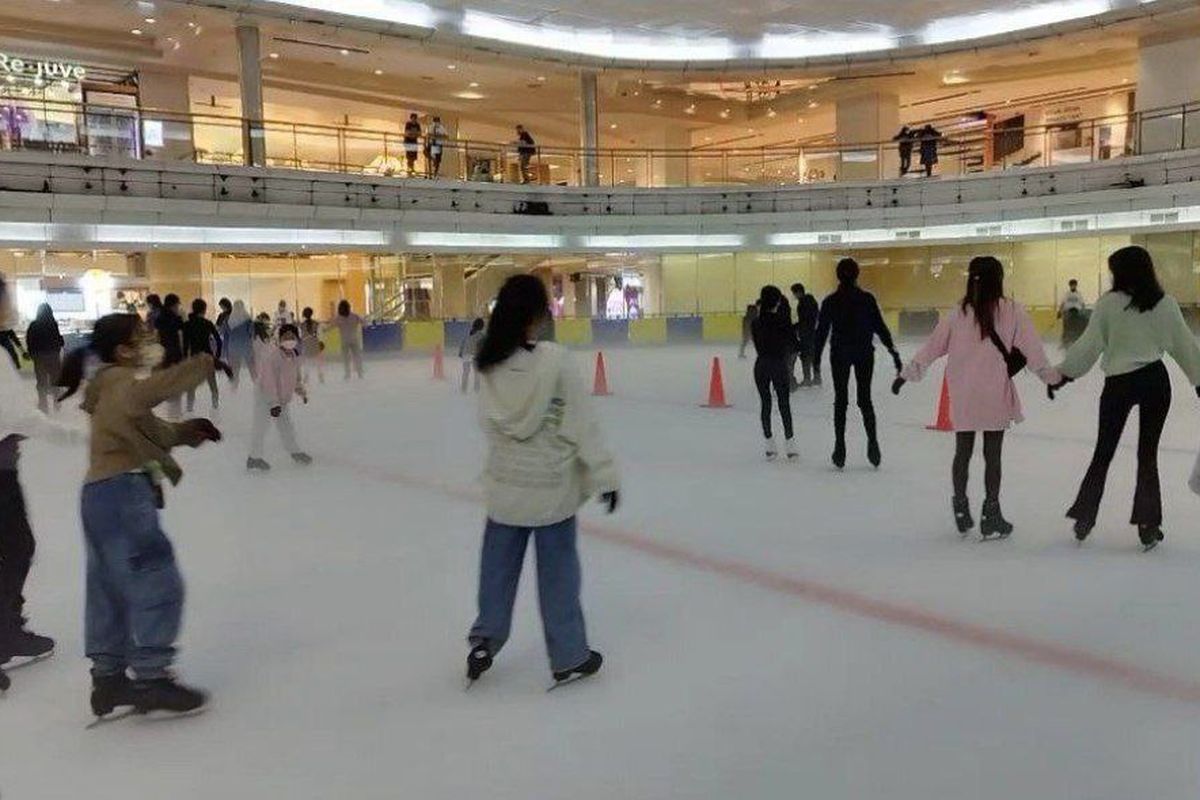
{"x": 600, "y": 384}
{"x": 716, "y": 387}
{"x": 439, "y": 366}
{"x": 942, "y": 422}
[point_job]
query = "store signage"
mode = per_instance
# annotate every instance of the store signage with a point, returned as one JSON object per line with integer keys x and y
{"x": 40, "y": 68}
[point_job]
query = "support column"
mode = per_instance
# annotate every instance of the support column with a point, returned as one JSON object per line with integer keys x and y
{"x": 864, "y": 119}
{"x": 589, "y": 132}
{"x": 166, "y": 125}
{"x": 254, "y": 142}
{"x": 1168, "y": 75}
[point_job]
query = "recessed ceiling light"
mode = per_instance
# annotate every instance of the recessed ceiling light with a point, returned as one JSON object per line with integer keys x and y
{"x": 344, "y": 51}
{"x": 690, "y": 109}
{"x": 150, "y": 20}
{"x": 191, "y": 24}
{"x": 771, "y": 113}
{"x": 474, "y": 84}
{"x": 812, "y": 86}
{"x": 468, "y": 95}
{"x": 136, "y": 31}
{"x": 541, "y": 78}
{"x": 813, "y": 104}
{"x": 613, "y": 126}
{"x": 378, "y": 72}
{"x": 273, "y": 55}
{"x": 452, "y": 66}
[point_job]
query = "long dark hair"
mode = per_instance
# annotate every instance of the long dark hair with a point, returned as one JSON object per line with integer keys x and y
{"x": 45, "y": 313}
{"x": 521, "y": 304}
{"x": 110, "y": 332}
{"x": 847, "y": 272}
{"x": 985, "y": 289}
{"x": 1133, "y": 273}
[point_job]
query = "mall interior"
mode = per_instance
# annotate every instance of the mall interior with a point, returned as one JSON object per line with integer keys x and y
{"x": 618, "y": 101}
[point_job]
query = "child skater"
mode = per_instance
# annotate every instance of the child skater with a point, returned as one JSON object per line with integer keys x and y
{"x": 19, "y": 420}
{"x": 278, "y": 381}
{"x": 134, "y": 589}
{"x": 467, "y": 352}
{"x": 975, "y": 338}
{"x": 545, "y": 458}
{"x": 311, "y": 346}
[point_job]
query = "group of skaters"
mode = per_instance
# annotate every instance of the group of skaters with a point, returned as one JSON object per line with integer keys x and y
{"x": 987, "y": 340}
{"x": 129, "y": 368}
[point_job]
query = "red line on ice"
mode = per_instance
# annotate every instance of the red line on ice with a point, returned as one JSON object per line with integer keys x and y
{"x": 1029, "y": 648}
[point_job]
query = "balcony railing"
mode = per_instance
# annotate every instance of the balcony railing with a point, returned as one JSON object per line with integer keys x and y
{"x": 215, "y": 139}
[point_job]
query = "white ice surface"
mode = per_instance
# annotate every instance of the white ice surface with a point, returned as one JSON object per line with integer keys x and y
{"x": 327, "y": 608}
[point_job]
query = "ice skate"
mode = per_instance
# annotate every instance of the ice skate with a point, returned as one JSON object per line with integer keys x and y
{"x": 303, "y": 459}
{"x": 962, "y": 515}
{"x": 790, "y": 447}
{"x": 110, "y": 692}
{"x": 839, "y": 454}
{"x": 1150, "y": 535}
{"x": 993, "y": 522}
{"x": 258, "y": 464}
{"x": 166, "y": 695}
{"x": 873, "y": 453}
{"x": 22, "y": 647}
{"x": 589, "y": 667}
{"x": 771, "y": 450}
{"x": 479, "y": 661}
{"x": 1083, "y": 527}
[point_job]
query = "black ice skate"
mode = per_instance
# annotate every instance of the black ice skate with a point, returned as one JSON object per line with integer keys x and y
{"x": 110, "y": 692}
{"x": 589, "y": 667}
{"x": 1150, "y": 535}
{"x": 839, "y": 454}
{"x": 479, "y": 661}
{"x": 962, "y": 514}
{"x": 1082, "y": 528}
{"x": 993, "y": 522}
{"x": 20, "y": 647}
{"x": 166, "y": 694}
{"x": 259, "y": 464}
{"x": 5, "y": 682}
{"x": 303, "y": 459}
{"x": 873, "y": 453}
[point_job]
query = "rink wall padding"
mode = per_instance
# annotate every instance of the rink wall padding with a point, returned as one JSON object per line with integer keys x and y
{"x": 454, "y": 331}
{"x": 648, "y": 331}
{"x": 573, "y": 331}
{"x": 610, "y": 331}
{"x": 423, "y": 336}
{"x": 685, "y": 329}
{"x": 722, "y": 327}
{"x": 383, "y": 338}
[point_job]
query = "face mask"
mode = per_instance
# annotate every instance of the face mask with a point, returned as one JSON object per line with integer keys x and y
{"x": 150, "y": 354}
{"x": 289, "y": 345}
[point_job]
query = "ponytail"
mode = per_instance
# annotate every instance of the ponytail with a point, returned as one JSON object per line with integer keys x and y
{"x": 110, "y": 332}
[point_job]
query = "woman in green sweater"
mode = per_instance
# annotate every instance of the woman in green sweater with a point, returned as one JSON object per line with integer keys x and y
{"x": 1131, "y": 327}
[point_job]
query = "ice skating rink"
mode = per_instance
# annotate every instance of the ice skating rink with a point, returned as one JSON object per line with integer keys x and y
{"x": 771, "y": 630}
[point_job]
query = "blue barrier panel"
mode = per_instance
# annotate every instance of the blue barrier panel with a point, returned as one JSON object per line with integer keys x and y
{"x": 382, "y": 337}
{"x": 685, "y": 329}
{"x": 610, "y": 331}
{"x": 455, "y": 330}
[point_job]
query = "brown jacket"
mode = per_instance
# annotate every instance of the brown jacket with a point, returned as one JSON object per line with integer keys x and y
{"x": 126, "y": 436}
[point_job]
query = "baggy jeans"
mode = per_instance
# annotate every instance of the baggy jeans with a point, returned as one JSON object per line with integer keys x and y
{"x": 559, "y": 582}
{"x": 134, "y": 589}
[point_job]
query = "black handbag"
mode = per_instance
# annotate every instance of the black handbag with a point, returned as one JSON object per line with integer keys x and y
{"x": 1014, "y": 359}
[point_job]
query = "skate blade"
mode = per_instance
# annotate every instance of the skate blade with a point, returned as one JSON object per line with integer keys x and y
{"x": 157, "y": 716}
{"x": 19, "y": 662}
{"x": 1146, "y": 548}
{"x": 566, "y": 682}
{"x": 107, "y": 718}
{"x": 5, "y": 683}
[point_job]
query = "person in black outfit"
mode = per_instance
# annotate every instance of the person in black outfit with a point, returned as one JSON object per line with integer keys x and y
{"x": 807, "y": 314}
{"x": 154, "y": 307}
{"x": 412, "y": 143}
{"x": 8, "y": 337}
{"x": 45, "y": 344}
{"x": 904, "y": 143}
{"x": 199, "y": 336}
{"x": 526, "y": 149}
{"x": 929, "y": 137}
{"x": 850, "y": 320}
{"x": 774, "y": 341}
{"x": 168, "y": 323}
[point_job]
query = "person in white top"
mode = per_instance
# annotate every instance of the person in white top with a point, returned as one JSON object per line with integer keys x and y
{"x": 1132, "y": 327}
{"x": 545, "y": 458}
{"x": 1073, "y": 313}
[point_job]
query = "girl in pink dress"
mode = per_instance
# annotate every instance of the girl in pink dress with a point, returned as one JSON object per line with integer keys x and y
{"x": 983, "y": 398}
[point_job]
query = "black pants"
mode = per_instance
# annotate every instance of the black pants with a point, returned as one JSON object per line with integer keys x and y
{"x": 993, "y": 450}
{"x": 16, "y": 550}
{"x": 905, "y": 161}
{"x": 46, "y": 367}
{"x": 768, "y": 373}
{"x": 1148, "y": 388}
{"x": 864, "y": 370}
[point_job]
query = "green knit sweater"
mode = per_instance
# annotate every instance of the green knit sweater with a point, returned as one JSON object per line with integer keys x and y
{"x": 1130, "y": 339}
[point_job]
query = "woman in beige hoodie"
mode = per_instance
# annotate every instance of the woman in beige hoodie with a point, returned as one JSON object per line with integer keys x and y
{"x": 545, "y": 458}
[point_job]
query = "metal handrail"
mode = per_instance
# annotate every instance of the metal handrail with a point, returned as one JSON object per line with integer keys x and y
{"x": 94, "y": 129}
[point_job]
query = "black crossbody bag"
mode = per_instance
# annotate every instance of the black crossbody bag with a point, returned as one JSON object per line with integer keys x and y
{"x": 1014, "y": 359}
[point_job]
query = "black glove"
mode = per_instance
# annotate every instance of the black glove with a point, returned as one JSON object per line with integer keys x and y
{"x": 221, "y": 366}
{"x": 196, "y": 432}
{"x": 1052, "y": 388}
{"x": 276, "y": 411}
{"x": 897, "y": 385}
{"x": 897, "y": 362}
{"x": 612, "y": 499}
{"x": 1198, "y": 391}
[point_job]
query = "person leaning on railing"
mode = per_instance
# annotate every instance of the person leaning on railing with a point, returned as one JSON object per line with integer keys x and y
{"x": 526, "y": 148}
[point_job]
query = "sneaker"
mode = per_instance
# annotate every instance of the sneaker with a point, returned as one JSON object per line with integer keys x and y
{"x": 772, "y": 450}
{"x": 303, "y": 459}
{"x": 110, "y": 692}
{"x": 166, "y": 694}
{"x": 257, "y": 464}
{"x": 589, "y": 667}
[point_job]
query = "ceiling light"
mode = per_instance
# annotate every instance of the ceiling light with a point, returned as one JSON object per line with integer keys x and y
{"x": 150, "y": 20}
{"x": 690, "y": 109}
{"x": 451, "y": 66}
{"x": 992, "y": 23}
{"x": 344, "y": 51}
{"x": 954, "y": 78}
{"x": 541, "y": 78}
{"x": 273, "y": 55}
{"x": 378, "y": 72}
{"x": 813, "y": 104}
{"x": 402, "y": 12}
{"x": 474, "y": 84}
{"x": 831, "y": 43}
{"x": 191, "y": 24}
{"x": 468, "y": 95}
{"x": 771, "y": 113}
{"x": 613, "y": 126}
{"x": 136, "y": 31}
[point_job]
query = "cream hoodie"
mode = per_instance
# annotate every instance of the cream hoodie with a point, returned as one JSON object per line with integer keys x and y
{"x": 546, "y": 456}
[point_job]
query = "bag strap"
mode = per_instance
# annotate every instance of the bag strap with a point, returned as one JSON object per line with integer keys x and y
{"x": 995, "y": 337}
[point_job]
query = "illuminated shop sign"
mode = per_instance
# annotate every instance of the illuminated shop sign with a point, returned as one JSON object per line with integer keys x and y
{"x": 48, "y": 70}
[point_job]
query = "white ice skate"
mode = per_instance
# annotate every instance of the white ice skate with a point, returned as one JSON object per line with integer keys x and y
{"x": 790, "y": 447}
{"x": 772, "y": 450}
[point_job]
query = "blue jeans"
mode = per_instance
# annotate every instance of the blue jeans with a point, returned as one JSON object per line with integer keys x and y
{"x": 134, "y": 589}
{"x": 558, "y": 588}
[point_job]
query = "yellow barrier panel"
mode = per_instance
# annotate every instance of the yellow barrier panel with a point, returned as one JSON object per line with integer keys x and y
{"x": 332, "y": 337}
{"x": 648, "y": 331}
{"x": 1046, "y": 321}
{"x": 573, "y": 331}
{"x": 892, "y": 318}
{"x": 722, "y": 327}
{"x": 424, "y": 335}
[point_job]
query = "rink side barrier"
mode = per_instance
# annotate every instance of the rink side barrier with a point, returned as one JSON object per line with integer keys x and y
{"x": 610, "y": 331}
{"x": 648, "y": 331}
{"x": 722, "y": 327}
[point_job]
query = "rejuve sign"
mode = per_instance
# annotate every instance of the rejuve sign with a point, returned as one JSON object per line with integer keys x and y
{"x": 46, "y": 70}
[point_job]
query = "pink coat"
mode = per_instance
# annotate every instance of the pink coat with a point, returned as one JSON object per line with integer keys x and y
{"x": 982, "y": 396}
{"x": 278, "y": 375}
